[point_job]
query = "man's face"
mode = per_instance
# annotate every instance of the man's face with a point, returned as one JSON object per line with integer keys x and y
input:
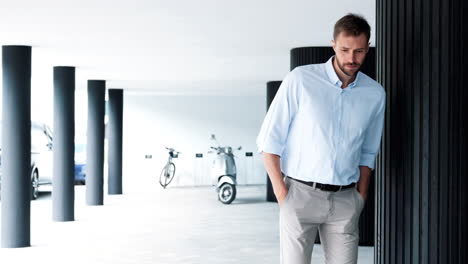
{"x": 350, "y": 52}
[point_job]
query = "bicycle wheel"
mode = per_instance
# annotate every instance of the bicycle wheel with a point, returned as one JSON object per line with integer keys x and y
{"x": 162, "y": 177}
{"x": 167, "y": 174}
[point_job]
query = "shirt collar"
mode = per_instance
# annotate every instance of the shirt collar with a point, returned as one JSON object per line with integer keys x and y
{"x": 334, "y": 77}
{"x": 331, "y": 71}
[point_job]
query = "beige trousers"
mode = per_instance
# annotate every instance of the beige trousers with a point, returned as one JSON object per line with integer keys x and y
{"x": 335, "y": 215}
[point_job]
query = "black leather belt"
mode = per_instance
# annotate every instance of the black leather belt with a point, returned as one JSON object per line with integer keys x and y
{"x": 325, "y": 187}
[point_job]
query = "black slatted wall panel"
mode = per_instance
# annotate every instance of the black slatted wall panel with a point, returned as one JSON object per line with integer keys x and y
{"x": 422, "y": 176}
{"x": 308, "y": 55}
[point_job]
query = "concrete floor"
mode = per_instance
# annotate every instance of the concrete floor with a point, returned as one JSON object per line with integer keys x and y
{"x": 151, "y": 225}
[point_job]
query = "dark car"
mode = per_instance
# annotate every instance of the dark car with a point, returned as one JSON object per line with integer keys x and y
{"x": 80, "y": 163}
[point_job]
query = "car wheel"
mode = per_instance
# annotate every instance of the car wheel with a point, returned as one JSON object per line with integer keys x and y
{"x": 35, "y": 185}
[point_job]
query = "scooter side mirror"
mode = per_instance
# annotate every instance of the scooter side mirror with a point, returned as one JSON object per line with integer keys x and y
{"x": 239, "y": 148}
{"x": 213, "y": 137}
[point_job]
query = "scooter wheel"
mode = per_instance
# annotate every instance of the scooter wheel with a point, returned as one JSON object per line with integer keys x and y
{"x": 227, "y": 193}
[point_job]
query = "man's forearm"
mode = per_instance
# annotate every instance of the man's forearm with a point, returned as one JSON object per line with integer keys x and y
{"x": 363, "y": 183}
{"x": 272, "y": 166}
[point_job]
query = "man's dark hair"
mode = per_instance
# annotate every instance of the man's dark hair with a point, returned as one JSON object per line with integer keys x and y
{"x": 353, "y": 25}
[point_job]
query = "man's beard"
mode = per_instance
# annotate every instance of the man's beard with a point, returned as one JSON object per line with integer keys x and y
{"x": 342, "y": 67}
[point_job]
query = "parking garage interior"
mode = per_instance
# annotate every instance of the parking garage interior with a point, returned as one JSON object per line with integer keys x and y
{"x": 110, "y": 86}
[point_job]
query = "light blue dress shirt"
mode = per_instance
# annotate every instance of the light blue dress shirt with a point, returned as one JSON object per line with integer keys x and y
{"x": 323, "y": 132}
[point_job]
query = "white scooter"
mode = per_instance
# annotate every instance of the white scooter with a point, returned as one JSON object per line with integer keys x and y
{"x": 223, "y": 172}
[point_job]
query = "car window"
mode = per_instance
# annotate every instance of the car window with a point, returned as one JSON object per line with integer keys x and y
{"x": 49, "y": 133}
{"x": 80, "y": 148}
{"x": 80, "y": 153}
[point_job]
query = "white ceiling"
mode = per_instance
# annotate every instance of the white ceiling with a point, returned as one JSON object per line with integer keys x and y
{"x": 172, "y": 47}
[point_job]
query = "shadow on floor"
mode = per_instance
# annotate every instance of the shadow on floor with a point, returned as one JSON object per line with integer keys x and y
{"x": 249, "y": 201}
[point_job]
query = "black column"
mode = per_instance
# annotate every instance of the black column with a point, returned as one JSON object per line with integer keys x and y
{"x": 422, "y": 177}
{"x": 115, "y": 141}
{"x": 309, "y": 55}
{"x": 16, "y": 147}
{"x": 95, "y": 143}
{"x": 63, "y": 189}
{"x": 272, "y": 88}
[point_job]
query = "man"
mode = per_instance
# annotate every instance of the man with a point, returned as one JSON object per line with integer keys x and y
{"x": 322, "y": 133}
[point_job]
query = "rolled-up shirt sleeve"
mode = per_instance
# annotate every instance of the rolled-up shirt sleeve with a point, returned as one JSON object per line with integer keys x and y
{"x": 371, "y": 144}
{"x": 275, "y": 128}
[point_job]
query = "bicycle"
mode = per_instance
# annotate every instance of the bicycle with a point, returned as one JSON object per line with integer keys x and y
{"x": 168, "y": 172}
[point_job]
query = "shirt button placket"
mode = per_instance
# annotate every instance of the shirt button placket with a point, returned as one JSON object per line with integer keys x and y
{"x": 340, "y": 116}
{"x": 338, "y": 126}
{"x": 336, "y": 134}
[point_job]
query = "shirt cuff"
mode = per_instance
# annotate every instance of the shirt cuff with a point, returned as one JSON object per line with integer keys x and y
{"x": 367, "y": 160}
{"x": 271, "y": 148}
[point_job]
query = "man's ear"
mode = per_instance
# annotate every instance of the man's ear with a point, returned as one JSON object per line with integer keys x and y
{"x": 333, "y": 45}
